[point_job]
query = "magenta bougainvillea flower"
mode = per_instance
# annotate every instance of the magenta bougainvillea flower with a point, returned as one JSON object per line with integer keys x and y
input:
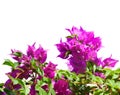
{"x": 49, "y": 70}
{"x": 80, "y": 47}
{"x": 81, "y": 35}
{"x": 22, "y": 72}
{"x": 109, "y": 62}
{"x": 62, "y": 87}
{"x": 78, "y": 66}
{"x": 2, "y": 93}
{"x": 9, "y": 85}
{"x": 39, "y": 54}
{"x": 63, "y": 47}
{"x": 100, "y": 74}
{"x": 31, "y": 50}
{"x": 32, "y": 90}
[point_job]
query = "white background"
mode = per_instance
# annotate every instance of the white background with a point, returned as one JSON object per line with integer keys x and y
{"x": 23, "y": 22}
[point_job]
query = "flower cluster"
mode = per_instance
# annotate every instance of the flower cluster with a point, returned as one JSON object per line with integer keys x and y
{"x": 88, "y": 74}
{"x": 82, "y": 47}
{"x": 30, "y": 67}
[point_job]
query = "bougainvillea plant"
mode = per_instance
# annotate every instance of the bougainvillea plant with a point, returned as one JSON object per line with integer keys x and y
{"x": 88, "y": 74}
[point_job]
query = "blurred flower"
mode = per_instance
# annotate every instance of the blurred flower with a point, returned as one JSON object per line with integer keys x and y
{"x": 50, "y": 70}
{"x": 21, "y": 72}
{"x": 61, "y": 87}
{"x": 38, "y": 54}
{"x": 78, "y": 66}
{"x": 95, "y": 43}
{"x": 100, "y": 74}
{"x": 9, "y": 85}
{"x": 45, "y": 87}
{"x": 30, "y": 50}
{"x": 63, "y": 49}
{"x": 32, "y": 90}
{"x": 109, "y": 62}
{"x": 3, "y": 93}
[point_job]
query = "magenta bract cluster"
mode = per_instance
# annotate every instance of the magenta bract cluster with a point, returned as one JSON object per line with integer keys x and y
{"x": 80, "y": 47}
{"x": 25, "y": 68}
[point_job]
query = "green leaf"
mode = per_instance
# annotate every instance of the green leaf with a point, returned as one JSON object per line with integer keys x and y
{"x": 117, "y": 85}
{"x": 94, "y": 68}
{"x": 39, "y": 89}
{"x": 42, "y": 91}
{"x": 107, "y": 73}
{"x": 40, "y": 71}
{"x": 59, "y": 75}
{"x": 117, "y": 71}
{"x": 1, "y": 84}
{"x": 37, "y": 68}
{"x": 18, "y": 54}
{"x": 98, "y": 68}
{"x": 10, "y": 63}
{"x": 46, "y": 80}
{"x": 98, "y": 92}
{"x": 15, "y": 81}
{"x": 39, "y": 84}
{"x": 91, "y": 66}
{"x": 51, "y": 90}
{"x": 9, "y": 92}
{"x": 111, "y": 83}
{"x": 67, "y": 53}
{"x": 115, "y": 76}
{"x": 33, "y": 63}
{"x": 70, "y": 36}
{"x": 44, "y": 64}
{"x": 97, "y": 79}
{"x": 24, "y": 89}
{"x": 67, "y": 74}
{"x": 1, "y": 89}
